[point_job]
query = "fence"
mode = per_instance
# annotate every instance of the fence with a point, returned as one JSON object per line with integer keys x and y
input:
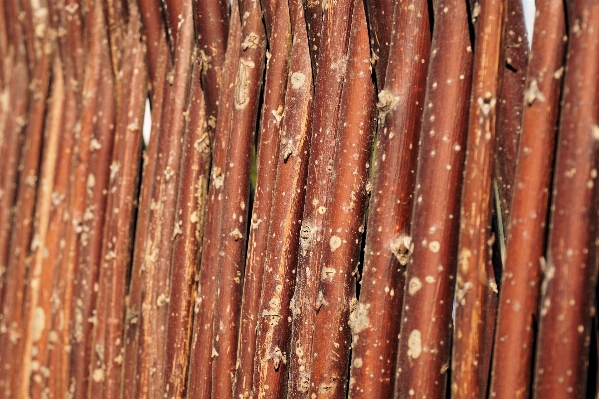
{"x": 339, "y": 198}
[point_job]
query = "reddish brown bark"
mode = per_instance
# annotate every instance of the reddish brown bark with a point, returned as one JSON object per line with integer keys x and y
{"x": 189, "y": 229}
{"x": 291, "y": 169}
{"x": 380, "y": 26}
{"x": 333, "y": 52}
{"x": 278, "y": 29}
{"x": 345, "y": 224}
{"x": 39, "y": 288}
{"x": 567, "y": 292}
{"x": 200, "y": 371}
{"x": 48, "y": 353}
{"x": 509, "y": 108}
{"x": 388, "y": 243}
{"x": 211, "y": 18}
{"x": 424, "y": 350}
{"x": 90, "y": 239}
{"x": 236, "y": 190}
{"x": 158, "y": 61}
{"x": 526, "y": 236}
{"x": 107, "y": 344}
{"x": 15, "y": 312}
{"x": 469, "y": 374}
{"x": 11, "y": 148}
{"x": 162, "y": 216}
{"x": 18, "y": 96}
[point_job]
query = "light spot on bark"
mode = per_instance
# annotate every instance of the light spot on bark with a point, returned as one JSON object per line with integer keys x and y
{"x": 358, "y": 319}
{"x": 98, "y": 375}
{"x": 415, "y": 344}
{"x": 39, "y": 323}
{"x": 414, "y": 286}
{"x": 334, "y": 242}
{"x": 533, "y": 93}
{"x": 298, "y": 80}
{"x": 434, "y": 246}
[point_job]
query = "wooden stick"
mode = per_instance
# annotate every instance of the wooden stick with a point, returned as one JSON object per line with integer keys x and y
{"x": 211, "y": 18}
{"x": 567, "y": 292}
{"x": 107, "y": 344}
{"x": 191, "y": 214}
{"x": 16, "y": 311}
{"x": 388, "y": 242}
{"x": 380, "y": 26}
{"x": 90, "y": 240}
{"x": 278, "y": 29}
{"x": 236, "y": 190}
{"x": 345, "y": 224}
{"x": 158, "y": 61}
{"x": 424, "y": 350}
{"x": 328, "y": 87}
{"x": 200, "y": 371}
{"x": 510, "y": 106}
{"x": 469, "y": 376}
{"x": 39, "y": 288}
{"x": 272, "y": 342}
{"x": 18, "y": 96}
{"x": 514, "y": 338}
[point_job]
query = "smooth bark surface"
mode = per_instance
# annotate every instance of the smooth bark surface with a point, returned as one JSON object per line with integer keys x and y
{"x": 515, "y": 334}
{"x": 570, "y": 271}
{"x": 424, "y": 350}
{"x": 388, "y": 243}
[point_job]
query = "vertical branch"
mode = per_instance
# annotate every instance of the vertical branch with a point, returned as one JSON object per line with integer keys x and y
{"x": 567, "y": 292}
{"x": 158, "y": 61}
{"x": 92, "y": 225}
{"x": 16, "y": 307}
{"x": 314, "y": 14}
{"x": 278, "y": 29}
{"x": 39, "y": 288}
{"x": 200, "y": 371}
{"x": 107, "y": 342}
{"x": 211, "y": 19}
{"x": 18, "y": 96}
{"x": 328, "y": 86}
{"x": 469, "y": 373}
{"x": 380, "y": 26}
{"x": 509, "y": 106}
{"x": 388, "y": 242}
{"x": 431, "y": 268}
{"x": 164, "y": 198}
{"x": 345, "y": 224}
{"x": 519, "y": 296}
{"x": 272, "y": 316}
{"x": 191, "y": 214}
{"x": 236, "y": 190}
